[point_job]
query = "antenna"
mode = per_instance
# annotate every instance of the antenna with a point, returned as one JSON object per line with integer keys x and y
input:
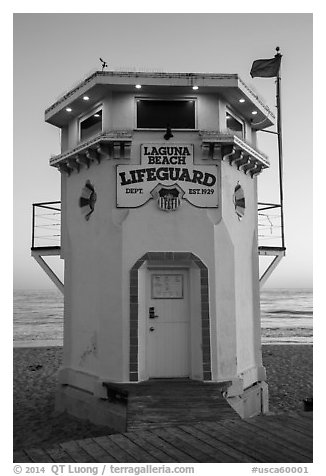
{"x": 104, "y": 64}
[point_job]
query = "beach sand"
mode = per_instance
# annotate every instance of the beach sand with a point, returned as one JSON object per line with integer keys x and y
{"x": 289, "y": 375}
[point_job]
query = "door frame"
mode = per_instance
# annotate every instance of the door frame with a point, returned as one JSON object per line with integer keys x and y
{"x": 137, "y": 306}
{"x": 164, "y": 269}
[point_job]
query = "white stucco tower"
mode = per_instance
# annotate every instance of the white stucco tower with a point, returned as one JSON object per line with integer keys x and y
{"x": 159, "y": 235}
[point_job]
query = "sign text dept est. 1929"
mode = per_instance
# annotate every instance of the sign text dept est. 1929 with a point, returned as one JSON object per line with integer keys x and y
{"x": 167, "y": 165}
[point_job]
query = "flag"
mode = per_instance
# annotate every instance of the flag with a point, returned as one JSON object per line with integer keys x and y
{"x": 266, "y": 68}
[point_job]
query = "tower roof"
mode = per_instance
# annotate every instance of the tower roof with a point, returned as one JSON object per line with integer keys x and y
{"x": 96, "y": 86}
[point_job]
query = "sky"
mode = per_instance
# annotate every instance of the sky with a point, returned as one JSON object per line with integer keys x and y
{"x": 52, "y": 52}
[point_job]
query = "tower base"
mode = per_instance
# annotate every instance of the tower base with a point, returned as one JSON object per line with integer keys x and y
{"x": 252, "y": 401}
{"x": 87, "y": 406}
{"x": 152, "y": 403}
{"x": 148, "y": 404}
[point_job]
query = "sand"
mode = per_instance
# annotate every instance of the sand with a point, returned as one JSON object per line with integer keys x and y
{"x": 289, "y": 375}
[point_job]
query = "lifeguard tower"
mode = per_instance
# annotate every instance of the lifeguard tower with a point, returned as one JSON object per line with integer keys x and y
{"x": 159, "y": 237}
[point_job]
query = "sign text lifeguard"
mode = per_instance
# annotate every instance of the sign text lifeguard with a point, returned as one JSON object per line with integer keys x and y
{"x": 167, "y": 165}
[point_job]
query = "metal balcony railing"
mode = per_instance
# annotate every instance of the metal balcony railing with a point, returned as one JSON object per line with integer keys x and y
{"x": 269, "y": 225}
{"x": 46, "y": 225}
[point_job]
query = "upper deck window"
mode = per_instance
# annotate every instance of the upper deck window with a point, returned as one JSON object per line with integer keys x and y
{"x": 91, "y": 125}
{"x": 235, "y": 124}
{"x": 158, "y": 114}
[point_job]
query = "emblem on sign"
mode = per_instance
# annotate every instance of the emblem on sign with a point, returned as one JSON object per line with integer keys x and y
{"x": 168, "y": 197}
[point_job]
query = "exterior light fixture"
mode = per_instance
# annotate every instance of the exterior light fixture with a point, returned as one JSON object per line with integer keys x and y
{"x": 68, "y": 109}
{"x": 195, "y": 87}
{"x": 86, "y": 98}
{"x": 96, "y": 115}
{"x": 242, "y": 100}
{"x": 138, "y": 86}
{"x": 254, "y": 112}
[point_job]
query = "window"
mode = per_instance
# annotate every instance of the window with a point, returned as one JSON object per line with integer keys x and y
{"x": 235, "y": 125}
{"x": 91, "y": 125}
{"x": 158, "y": 114}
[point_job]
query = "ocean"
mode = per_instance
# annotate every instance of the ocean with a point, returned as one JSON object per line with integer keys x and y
{"x": 286, "y": 317}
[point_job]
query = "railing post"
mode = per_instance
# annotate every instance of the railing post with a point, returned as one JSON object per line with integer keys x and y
{"x": 33, "y": 225}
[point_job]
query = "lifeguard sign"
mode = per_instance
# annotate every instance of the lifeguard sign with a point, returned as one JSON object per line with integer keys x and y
{"x": 171, "y": 169}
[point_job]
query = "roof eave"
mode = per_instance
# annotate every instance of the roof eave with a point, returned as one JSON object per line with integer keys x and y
{"x": 208, "y": 81}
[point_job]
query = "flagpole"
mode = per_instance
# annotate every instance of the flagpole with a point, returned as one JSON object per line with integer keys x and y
{"x": 280, "y": 145}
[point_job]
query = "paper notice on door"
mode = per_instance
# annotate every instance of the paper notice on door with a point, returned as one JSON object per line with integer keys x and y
{"x": 167, "y": 286}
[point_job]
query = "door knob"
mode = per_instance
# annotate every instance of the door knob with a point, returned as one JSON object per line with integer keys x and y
{"x": 151, "y": 329}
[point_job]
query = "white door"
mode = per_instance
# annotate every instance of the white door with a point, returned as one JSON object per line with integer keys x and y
{"x": 168, "y": 323}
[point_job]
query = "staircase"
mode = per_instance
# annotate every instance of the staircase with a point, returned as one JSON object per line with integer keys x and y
{"x": 159, "y": 403}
